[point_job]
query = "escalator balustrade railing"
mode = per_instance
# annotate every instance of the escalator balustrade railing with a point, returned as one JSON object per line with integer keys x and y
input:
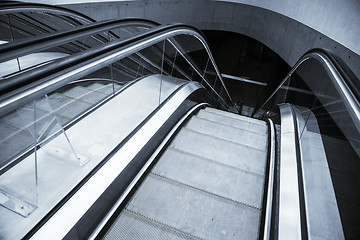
{"x": 330, "y": 110}
{"x": 28, "y": 53}
{"x": 52, "y": 99}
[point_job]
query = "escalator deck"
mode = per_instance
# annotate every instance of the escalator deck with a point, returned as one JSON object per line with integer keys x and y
{"x": 208, "y": 184}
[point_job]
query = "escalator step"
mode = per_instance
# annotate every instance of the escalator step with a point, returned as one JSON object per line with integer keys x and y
{"x": 228, "y": 133}
{"x": 226, "y": 120}
{"x": 130, "y": 225}
{"x": 236, "y": 116}
{"x": 233, "y": 154}
{"x": 210, "y": 176}
{"x": 195, "y": 212}
{"x": 208, "y": 184}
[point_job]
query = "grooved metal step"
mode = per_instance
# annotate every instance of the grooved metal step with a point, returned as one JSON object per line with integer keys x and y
{"x": 227, "y": 132}
{"x": 231, "y": 121}
{"x": 128, "y": 224}
{"x": 236, "y": 116}
{"x": 195, "y": 212}
{"x": 211, "y": 176}
{"x": 208, "y": 183}
{"x": 230, "y": 153}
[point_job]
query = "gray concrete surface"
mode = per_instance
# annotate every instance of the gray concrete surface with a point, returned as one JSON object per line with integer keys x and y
{"x": 337, "y": 19}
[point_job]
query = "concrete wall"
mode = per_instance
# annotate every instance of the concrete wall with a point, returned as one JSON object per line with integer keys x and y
{"x": 285, "y": 35}
{"x": 336, "y": 19}
{"x": 339, "y": 20}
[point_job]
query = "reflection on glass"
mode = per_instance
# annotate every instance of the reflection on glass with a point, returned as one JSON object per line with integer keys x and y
{"x": 313, "y": 86}
{"x": 58, "y": 50}
{"x": 18, "y": 188}
{"x": 60, "y": 146}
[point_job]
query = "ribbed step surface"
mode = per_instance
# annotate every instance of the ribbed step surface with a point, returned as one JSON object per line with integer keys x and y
{"x": 233, "y": 120}
{"x": 208, "y": 184}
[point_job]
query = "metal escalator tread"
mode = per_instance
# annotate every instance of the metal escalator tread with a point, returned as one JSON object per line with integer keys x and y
{"x": 203, "y": 186}
{"x": 231, "y": 121}
{"x": 236, "y": 116}
{"x": 227, "y": 132}
{"x": 233, "y": 154}
{"x": 127, "y": 226}
{"x": 212, "y": 177}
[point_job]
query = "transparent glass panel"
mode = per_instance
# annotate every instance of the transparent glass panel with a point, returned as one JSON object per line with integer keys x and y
{"x": 56, "y": 51}
{"x": 67, "y": 135}
{"x": 328, "y": 118}
{"x": 28, "y": 24}
{"x": 5, "y": 31}
{"x": 19, "y": 184}
{"x": 15, "y": 137}
{"x": 202, "y": 68}
{"x": 18, "y": 190}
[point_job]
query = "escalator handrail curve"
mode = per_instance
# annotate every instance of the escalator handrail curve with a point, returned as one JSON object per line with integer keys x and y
{"x": 346, "y": 73}
{"x": 19, "y": 7}
{"x": 20, "y": 48}
{"x": 349, "y": 98}
{"x": 40, "y": 81}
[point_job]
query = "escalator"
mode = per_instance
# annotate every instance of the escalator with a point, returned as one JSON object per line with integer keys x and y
{"x": 22, "y": 20}
{"x": 208, "y": 183}
{"x": 137, "y": 137}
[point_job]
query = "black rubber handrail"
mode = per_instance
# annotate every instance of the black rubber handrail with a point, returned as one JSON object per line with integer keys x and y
{"x": 32, "y": 81}
{"x": 35, "y": 44}
{"x": 30, "y": 149}
{"x": 345, "y": 74}
{"x": 19, "y": 7}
